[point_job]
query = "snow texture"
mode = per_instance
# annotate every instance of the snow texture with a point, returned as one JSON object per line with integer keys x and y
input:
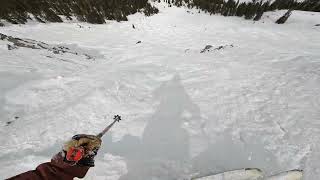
{"x": 253, "y": 104}
{"x": 241, "y": 174}
{"x": 290, "y": 175}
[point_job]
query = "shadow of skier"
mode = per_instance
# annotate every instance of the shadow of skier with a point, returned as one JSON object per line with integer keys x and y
{"x": 163, "y": 150}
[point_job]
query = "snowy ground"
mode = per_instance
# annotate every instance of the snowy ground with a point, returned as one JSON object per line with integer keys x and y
{"x": 253, "y": 103}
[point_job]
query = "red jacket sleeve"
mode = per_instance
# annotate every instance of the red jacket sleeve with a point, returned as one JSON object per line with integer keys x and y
{"x": 57, "y": 169}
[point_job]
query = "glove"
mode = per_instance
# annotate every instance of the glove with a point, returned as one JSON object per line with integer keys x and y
{"x": 89, "y": 146}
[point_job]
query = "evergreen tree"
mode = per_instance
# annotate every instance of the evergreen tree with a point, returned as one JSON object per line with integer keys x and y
{"x": 285, "y": 17}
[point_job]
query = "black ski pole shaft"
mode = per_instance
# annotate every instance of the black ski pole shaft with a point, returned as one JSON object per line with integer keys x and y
{"x": 116, "y": 118}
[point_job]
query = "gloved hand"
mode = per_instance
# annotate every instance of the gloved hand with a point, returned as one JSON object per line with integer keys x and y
{"x": 89, "y": 146}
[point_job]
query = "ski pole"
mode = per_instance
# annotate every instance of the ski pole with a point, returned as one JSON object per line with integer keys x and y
{"x": 116, "y": 118}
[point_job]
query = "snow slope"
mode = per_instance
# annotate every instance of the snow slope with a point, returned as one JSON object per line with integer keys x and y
{"x": 254, "y": 102}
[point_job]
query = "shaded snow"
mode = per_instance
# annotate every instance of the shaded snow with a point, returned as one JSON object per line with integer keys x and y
{"x": 254, "y": 104}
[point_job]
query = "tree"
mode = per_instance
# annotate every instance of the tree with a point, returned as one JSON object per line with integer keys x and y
{"x": 285, "y": 17}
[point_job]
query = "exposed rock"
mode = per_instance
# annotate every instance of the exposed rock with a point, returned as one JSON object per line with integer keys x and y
{"x": 220, "y": 47}
{"x": 209, "y": 48}
{"x": 56, "y": 49}
{"x": 10, "y": 47}
{"x": 223, "y": 47}
{"x": 206, "y": 49}
{"x": 8, "y": 123}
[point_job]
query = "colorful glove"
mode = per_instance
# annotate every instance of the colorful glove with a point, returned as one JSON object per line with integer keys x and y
{"x": 82, "y": 149}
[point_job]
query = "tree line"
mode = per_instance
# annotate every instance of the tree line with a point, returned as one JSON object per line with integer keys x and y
{"x": 249, "y": 10}
{"x": 97, "y": 11}
{"x": 92, "y": 11}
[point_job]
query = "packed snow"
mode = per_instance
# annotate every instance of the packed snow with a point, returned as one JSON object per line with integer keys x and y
{"x": 251, "y": 99}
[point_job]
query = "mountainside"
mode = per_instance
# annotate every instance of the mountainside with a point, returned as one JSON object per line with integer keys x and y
{"x": 98, "y": 11}
{"x": 197, "y": 93}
